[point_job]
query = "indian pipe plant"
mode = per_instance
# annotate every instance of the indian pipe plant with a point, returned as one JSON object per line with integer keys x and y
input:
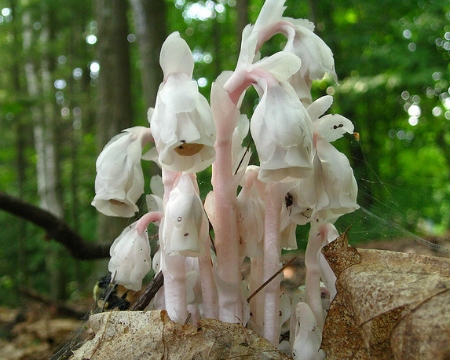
{"x": 253, "y": 210}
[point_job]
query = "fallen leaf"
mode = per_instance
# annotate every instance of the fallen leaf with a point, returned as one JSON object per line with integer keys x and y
{"x": 152, "y": 335}
{"x": 389, "y": 305}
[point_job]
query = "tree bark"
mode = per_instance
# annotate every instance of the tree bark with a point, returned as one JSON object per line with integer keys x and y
{"x": 43, "y": 113}
{"x": 114, "y": 109}
{"x": 151, "y": 31}
{"x": 56, "y": 229}
{"x": 243, "y": 18}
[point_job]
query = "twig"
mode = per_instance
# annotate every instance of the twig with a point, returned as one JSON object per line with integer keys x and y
{"x": 271, "y": 278}
{"x": 149, "y": 293}
{"x": 56, "y": 228}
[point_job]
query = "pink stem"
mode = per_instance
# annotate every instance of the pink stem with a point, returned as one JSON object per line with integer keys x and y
{"x": 174, "y": 270}
{"x": 257, "y": 302}
{"x": 207, "y": 283}
{"x": 312, "y": 279}
{"x": 226, "y": 238}
{"x": 145, "y": 220}
{"x": 272, "y": 264}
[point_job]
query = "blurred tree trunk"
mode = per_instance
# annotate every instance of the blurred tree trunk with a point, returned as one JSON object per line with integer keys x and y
{"x": 151, "y": 31}
{"x": 22, "y": 132}
{"x": 44, "y": 115}
{"x": 114, "y": 109}
{"x": 243, "y": 18}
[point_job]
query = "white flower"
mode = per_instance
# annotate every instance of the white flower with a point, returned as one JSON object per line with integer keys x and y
{"x": 181, "y": 123}
{"x": 316, "y": 56}
{"x": 278, "y": 67}
{"x": 332, "y": 190}
{"x": 308, "y": 335}
{"x": 281, "y": 129}
{"x": 184, "y": 220}
{"x": 130, "y": 258}
{"x": 120, "y": 181}
{"x": 288, "y": 238}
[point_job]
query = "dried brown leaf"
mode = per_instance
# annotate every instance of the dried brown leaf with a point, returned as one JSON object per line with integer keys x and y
{"x": 389, "y": 306}
{"x": 152, "y": 335}
{"x": 340, "y": 255}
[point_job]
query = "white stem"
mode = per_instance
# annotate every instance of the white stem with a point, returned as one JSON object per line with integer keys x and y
{"x": 312, "y": 279}
{"x": 174, "y": 270}
{"x": 226, "y": 237}
{"x": 257, "y": 302}
{"x": 272, "y": 264}
{"x": 207, "y": 283}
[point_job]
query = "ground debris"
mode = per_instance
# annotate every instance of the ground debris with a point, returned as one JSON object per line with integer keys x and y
{"x": 389, "y": 305}
{"x": 152, "y": 335}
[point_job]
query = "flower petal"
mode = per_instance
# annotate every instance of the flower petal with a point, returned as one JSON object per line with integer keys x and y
{"x": 176, "y": 56}
{"x": 333, "y": 127}
{"x": 130, "y": 258}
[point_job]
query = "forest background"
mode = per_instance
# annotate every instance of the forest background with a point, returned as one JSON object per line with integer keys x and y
{"x": 75, "y": 73}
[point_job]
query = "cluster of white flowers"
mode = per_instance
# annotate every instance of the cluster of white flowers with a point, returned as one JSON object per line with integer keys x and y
{"x": 301, "y": 178}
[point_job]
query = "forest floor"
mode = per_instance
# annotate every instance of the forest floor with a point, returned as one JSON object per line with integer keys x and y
{"x": 36, "y": 331}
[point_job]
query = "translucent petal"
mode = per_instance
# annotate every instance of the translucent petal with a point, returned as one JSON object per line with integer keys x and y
{"x": 270, "y": 13}
{"x": 333, "y": 127}
{"x": 130, "y": 258}
{"x": 183, "y": 219}
{"x": 282, "y": 65}
{"x": 176, "y": 56}
{"x": 319, "y": 107}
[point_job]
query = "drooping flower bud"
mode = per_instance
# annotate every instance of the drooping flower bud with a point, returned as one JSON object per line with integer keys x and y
{"x": 282, "y": 131}
{"x": 130, "y": 258}
{"x": 183, "y": 220}
{"x": 120, "y": 181}
{"x": 181, "y": 123}
{"x": 331, "y": 190}
{"x": 308, "y": 335}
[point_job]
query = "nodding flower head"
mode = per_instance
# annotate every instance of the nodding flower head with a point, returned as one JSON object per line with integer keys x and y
{"x": 184, "y": 219}
{"x": 130, "y": 258}
{"x": 282, "y": 131}
{"x": 316, "y": 56}
{"x": 182, "y": 123}
{"x": 120, "y": 181}
{"x": 331, "y": 190}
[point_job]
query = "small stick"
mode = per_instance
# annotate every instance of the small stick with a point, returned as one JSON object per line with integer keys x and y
{"x": 271, "y": 278}
{"x": 149, "y": 293}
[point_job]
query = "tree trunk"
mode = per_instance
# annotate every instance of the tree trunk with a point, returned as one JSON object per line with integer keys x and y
{"x": 243, "y": 18}
{"x": 114, "y": 109}
{"x": 43, "y": 114}
{"x": 22, "y": 133}
{"x": 151, "y": 31}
